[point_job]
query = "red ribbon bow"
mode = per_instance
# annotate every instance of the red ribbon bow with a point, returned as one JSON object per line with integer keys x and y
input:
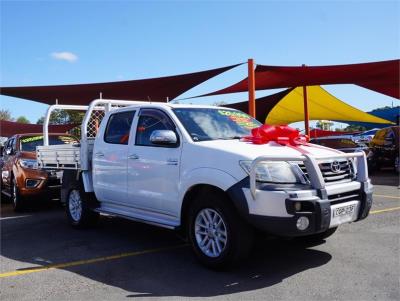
{"x": 281, "y": 134}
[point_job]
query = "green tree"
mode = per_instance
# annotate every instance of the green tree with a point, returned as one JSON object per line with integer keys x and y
{"x": 64, "y": 117}
{"x": 355, "y": 128}
{"x": 5, "y": 115}
{"x": 22, "y": 119}
{"x": 40, "y": 120}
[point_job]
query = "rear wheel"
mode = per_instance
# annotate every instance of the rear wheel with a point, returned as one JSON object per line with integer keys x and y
{"x": 79, "y": 213}
{"x": 218, "y": 235}
{"x": 16, "y": 198}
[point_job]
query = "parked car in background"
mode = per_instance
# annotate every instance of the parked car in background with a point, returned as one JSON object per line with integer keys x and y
{"x": 343, "y": 143}
{"x": 384, "y": 149}
{"x": 365, "y": 137}
{"x": 20, "y": 175}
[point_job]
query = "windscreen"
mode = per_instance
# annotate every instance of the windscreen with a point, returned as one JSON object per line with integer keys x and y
{"x": 204, "y": 124}
{"x": 29, "y": 143}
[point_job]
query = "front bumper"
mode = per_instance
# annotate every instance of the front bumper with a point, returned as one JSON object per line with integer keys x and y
{"x": 38, "y": 183}
{"x": 274, "y": 209}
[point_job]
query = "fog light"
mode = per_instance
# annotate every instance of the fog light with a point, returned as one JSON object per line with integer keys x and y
{"x": 30, "y": 183}
{"x": 297, "y": 206}
{"x": 302, "y": 223}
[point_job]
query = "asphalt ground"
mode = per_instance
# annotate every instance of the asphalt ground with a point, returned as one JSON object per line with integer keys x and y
{"x": 42, "y": 258}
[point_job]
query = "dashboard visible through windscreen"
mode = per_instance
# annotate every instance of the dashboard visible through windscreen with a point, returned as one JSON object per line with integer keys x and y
{"x": 29, "y": 143}
{"x": 204, "y": 124}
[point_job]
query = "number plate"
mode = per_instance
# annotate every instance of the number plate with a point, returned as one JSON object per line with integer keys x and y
{"x": 347, "y": 210}
{"x": 344, "y": 213}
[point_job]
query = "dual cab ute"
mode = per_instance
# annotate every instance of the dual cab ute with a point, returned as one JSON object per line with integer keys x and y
{"x": 215, "y": 173}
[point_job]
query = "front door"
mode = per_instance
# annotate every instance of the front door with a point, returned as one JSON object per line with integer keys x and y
{"x": 110, "y": 158}
{"x": 153, "y": 170}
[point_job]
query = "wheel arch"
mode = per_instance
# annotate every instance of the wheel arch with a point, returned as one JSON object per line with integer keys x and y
{"x": 190, "y": 196}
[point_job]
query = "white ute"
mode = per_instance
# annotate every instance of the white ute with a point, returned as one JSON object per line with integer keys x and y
{"x": 186, "y": 167}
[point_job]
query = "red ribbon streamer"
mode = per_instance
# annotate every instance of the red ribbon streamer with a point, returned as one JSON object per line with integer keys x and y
{"x": 281, "y": 134}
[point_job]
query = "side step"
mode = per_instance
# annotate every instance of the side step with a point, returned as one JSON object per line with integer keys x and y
{"x": 102, "y": 211}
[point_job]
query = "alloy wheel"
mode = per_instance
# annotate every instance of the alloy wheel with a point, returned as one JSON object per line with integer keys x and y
{"x": 210, "y": 232}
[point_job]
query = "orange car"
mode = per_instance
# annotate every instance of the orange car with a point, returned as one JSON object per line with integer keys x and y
{"x": 21, "y": 180}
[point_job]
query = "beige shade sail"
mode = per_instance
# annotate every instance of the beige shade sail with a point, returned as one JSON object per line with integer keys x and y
{"x": 321, "y": 106}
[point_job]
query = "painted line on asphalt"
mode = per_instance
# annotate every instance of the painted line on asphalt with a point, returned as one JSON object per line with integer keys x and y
{"x": 384, "y": 210}
{"x": 387, "y": 196}
{"x": 86, "y": 261}
{"x": 12, "y": 217}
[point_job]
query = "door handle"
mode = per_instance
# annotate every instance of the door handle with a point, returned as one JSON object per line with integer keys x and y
{"x": 172, "y": 161}
{"x": 99, "y": 154}
{"x": 133, "y": 157}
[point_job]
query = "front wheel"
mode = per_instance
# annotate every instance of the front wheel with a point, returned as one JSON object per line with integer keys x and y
{"x": 17, "y": 199}
{"x": 78, "y": 212}
{"x": 218, "y": 235}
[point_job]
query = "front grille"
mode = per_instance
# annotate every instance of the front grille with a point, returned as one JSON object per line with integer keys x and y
{"x": 354, "y": 195}
{"x": 344, "y": 171}
{"x": 344, "y": 174}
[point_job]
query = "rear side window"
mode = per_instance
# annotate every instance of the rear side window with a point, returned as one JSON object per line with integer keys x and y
{"x": 118, "y": 128}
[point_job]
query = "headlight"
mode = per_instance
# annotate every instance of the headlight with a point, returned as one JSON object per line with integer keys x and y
{"x": 28, "y": 163}
{"x": 275, "y": 172}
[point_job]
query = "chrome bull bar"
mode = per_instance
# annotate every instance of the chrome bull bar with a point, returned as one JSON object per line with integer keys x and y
{"x": 311, "y": 163}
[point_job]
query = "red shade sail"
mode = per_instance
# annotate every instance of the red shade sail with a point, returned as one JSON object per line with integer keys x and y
{"x": 382, "y": 77}
{"x": 10, "y": 128}
{"x": 156, "y": 89}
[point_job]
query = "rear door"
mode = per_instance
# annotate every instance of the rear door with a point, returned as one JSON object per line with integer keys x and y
{"x": 110, "y": 158}
{"x": 153, "y": 170}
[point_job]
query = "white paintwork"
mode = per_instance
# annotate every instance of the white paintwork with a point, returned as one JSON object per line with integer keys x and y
{"x": 137, "y": 182}
{"x": 110, "y": 169}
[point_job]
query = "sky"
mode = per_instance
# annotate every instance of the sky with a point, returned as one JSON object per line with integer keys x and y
{"x": 67, "y": 42}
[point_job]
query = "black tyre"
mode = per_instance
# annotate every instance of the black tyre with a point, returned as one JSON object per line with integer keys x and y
{"x": 18, "y": 201}
{"x": 79, "y": 213}
{"x": 320, "y": 236}
{"x": 219, "y": 236}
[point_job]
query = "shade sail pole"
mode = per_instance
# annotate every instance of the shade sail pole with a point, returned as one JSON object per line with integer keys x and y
{"x": 306, "y": 115}
{"x": 252, "y": 88}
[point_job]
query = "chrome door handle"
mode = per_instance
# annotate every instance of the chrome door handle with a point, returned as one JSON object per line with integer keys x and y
{"x": 172, "y": 161}
{"x": 99, "y": 154}
{"x": 133, "y": 157}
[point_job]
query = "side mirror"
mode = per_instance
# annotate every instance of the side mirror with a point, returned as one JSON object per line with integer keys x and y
{"x": 9, "y": 151}
{"x": 163, "y": 137}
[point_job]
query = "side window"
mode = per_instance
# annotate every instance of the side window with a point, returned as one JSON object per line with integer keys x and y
{"x": 118, "y": 128}
{"x": 149, "y": 121}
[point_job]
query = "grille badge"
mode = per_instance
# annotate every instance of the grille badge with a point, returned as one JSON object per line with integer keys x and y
{"x": 335, "y": 166}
